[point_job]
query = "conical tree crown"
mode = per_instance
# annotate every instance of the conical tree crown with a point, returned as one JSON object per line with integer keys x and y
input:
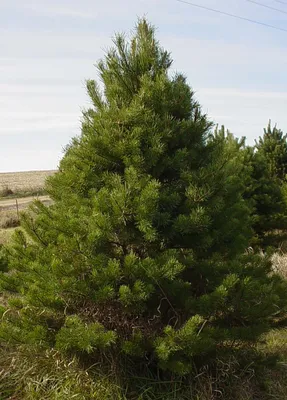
{"x": 273, "y": 147}
{"x": 138, "y": 120}
{"x": 138, "y": 254}
{"x": 267, "y": 187}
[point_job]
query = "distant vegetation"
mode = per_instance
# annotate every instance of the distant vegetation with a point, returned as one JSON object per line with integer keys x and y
{"x": 159, "y": 271}
{"x": 8, "y": 193}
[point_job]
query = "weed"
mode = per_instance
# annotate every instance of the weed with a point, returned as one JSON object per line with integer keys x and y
{"x": 9, "y": 219}
{"x": 6, "y": 191}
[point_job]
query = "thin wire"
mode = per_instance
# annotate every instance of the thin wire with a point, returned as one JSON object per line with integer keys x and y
{"x": 265, "y": 6}
{"x": 281, "y": 2}
{"x": 232, "y": 15}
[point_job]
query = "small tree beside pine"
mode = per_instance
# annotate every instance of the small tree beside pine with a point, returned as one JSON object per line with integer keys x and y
{"x": 273, "y": 147}
{"x": 267, "y": 188}
{"x": 142, "y": 253}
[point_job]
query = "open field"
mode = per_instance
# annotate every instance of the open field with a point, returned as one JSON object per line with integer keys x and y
{"x": 19, "y": 189}
{"x": 23, "y": 182}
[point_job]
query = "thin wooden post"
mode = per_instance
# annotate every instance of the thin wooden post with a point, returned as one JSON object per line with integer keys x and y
{"x": 17, "y": 208}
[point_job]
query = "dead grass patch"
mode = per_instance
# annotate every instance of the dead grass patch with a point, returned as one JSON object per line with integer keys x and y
{"x": 279, "y": 263}
{"x": 9, "y": 219}
{"x": 5, "y": 235}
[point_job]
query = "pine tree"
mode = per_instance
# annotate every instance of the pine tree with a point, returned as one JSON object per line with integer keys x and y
{"x": 141, "y": 254}
{"x": 273, "y": 147}
{"x": 267, "y": 187}
{"x": 3, "y": 259}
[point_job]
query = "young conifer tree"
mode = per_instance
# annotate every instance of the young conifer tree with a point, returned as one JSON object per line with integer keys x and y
{"x": 267, "y": 187}
{"x": 273, "y": 147}
{"x": 141, "y": 253}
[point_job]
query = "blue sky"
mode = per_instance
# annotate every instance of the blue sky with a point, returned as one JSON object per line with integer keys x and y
{"x": 49, "y": 48}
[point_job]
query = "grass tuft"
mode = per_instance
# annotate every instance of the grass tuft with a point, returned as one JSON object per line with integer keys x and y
{"x": 29, "y": 375}
{"x": 5, "y": 237}
{"x": 6, "y": 191}
{"x": 279, "y": 262}
{"x": 40, "y": 375}
{"x": 9, "y": 219}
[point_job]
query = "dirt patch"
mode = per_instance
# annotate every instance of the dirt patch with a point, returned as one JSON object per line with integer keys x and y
{"x": 23, "y": 202}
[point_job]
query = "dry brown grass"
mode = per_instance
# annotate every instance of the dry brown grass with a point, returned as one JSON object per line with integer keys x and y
{"x": 21, "y": 182}
{"x": 29, "y": 374}
{"x": 279, "y": 262}
{"x": 276, "y": 342}
{"x": 5, "y": 236}
{"x": 8, "y": 219}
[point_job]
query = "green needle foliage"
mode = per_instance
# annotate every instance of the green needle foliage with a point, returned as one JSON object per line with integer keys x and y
{"x": 267, "y": 187}
{"x": 273, "y": 146}
{"x": 142, "y": 253}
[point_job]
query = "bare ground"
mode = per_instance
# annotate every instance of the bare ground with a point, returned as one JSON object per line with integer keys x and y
{"x": 23, "y": 202}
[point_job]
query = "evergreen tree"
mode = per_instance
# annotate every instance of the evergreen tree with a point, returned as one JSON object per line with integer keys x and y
{"x": 141, "y": 254}
{"x": 267, "y": 187}
{"x": 3, "y": 259}
{"x": 273, "y": 147}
